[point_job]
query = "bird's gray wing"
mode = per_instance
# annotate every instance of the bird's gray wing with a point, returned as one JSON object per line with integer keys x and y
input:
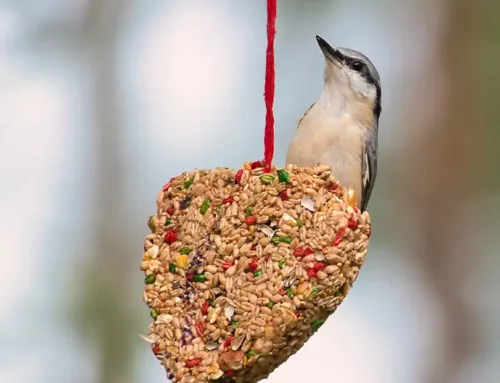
{"x": 369, "y": 168}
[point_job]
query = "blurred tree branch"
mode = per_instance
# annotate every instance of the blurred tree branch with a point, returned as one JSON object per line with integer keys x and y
{"x": 106, "y": 278}
{"x": 446, "y": 179}
{"x": 104, "y": 314}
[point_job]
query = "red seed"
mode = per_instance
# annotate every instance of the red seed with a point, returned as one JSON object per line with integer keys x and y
{"x": 311, "y": 273}
{"x": 229, "y": 199}
{"x": 237, "y": 177}
{"x": 257, "y": 164}
{"x": 189, "y": 276}
{"x": 204, "y": 307}
{"x": 267, "y": 259}
{"x": 302, "y": 251}
{"x": 226, "y": 265}
{"x": 299, "y": 252}
{"x": 252, "y": 220}
{"x": 228, "y": 341}
{"x": 230, "y": 372}
{"x": 339, "y": 237}
{"x": 284, "y": 195}
{"x": 170, "y": 210}
{"x": 282, "y": 292}
{"x": 168, "y": 185}
{"x": 318, "y": 266}
{"x": 253, "y": 263}
{"x": 200, "y": 327}
{"x": 156, "y": 349}
{"x": 193, "y": 363}
{"x": 352, "y": 224}
{"x": 332, "y": 187}
{"x": 170, "y": 236}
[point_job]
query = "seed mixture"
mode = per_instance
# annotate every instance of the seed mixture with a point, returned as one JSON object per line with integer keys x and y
{"x": 241, "y": 268}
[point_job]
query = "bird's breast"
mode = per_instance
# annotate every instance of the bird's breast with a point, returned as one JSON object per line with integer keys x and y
{"x": 331, "y": 140}
{"x": 323, "y": 137}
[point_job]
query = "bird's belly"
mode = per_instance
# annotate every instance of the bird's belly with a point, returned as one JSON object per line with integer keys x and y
{"x": 336, "y": 144}
{"x": 347, "y": 172}
{"x": 346, "y": 167}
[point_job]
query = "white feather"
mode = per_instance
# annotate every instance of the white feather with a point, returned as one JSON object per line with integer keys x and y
{"x": 360, "y": 85}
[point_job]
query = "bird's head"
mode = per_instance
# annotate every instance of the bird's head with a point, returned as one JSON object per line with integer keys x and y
{"x": 351, "y": 74}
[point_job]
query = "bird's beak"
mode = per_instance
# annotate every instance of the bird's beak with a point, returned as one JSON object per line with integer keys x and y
{"x": 330, "y": 53}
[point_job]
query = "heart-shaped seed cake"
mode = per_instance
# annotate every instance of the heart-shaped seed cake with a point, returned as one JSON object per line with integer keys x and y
{"x": 241, "y": 268}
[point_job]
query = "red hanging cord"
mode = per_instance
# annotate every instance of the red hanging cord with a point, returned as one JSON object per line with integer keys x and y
{"x": 269, "y": 85}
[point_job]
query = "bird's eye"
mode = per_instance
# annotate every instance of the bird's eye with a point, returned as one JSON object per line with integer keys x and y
{"x": 357, "y": 65}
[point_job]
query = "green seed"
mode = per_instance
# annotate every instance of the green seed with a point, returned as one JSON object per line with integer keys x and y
{"x": 185, "y": 250}
{"x": 248, "y": 211}
{"x": 282, "y": 263}
{"x": 284, "y": 239}
{"x": 205, "y": 206}
{"x": 270, "y": 304}
{"x": 313, "y": 293}
{"x": 266, "y": 179}
{"x": 235, "y": 324}
{"x": 299, "y": 223}
{"x": 338, "y": 293}
{"x": 317, "y": 324}
{"x": 212, "y": 302}
{"x": 172, "y": 268}
{"x": 151, "y": 224}
{"x": 188, "y": 183}
{"x": 150, "y": 279}
{"x": 199, "y": 278}
{"x": 290, "y": 293}
{"x": 153, "y": 313}
{"x": 250, "y": 353}
{"x": 257, "y": 273}
{"x": 283, "y": 176}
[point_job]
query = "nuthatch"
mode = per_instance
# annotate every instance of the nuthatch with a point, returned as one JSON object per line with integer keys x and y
{"x": 341, "y": 128}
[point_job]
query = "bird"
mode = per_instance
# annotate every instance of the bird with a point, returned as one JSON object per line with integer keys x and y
{"x": 340, "y": 129}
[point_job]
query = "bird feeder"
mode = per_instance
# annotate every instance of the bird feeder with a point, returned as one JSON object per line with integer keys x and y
{"x": 243, "y": 267}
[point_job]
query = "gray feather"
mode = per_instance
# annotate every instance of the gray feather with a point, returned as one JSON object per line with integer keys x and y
{"x": 360, "y": 56}
{"x": 369, "y": 168}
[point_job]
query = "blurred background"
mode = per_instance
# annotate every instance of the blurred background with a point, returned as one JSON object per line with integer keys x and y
{"x": 102, "y": 101}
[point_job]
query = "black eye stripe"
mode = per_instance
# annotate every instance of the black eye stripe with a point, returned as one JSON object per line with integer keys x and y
{"x": 362, "y": 70}
{"x": 365, "y": 73}
{"x": 355, "y": 64}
